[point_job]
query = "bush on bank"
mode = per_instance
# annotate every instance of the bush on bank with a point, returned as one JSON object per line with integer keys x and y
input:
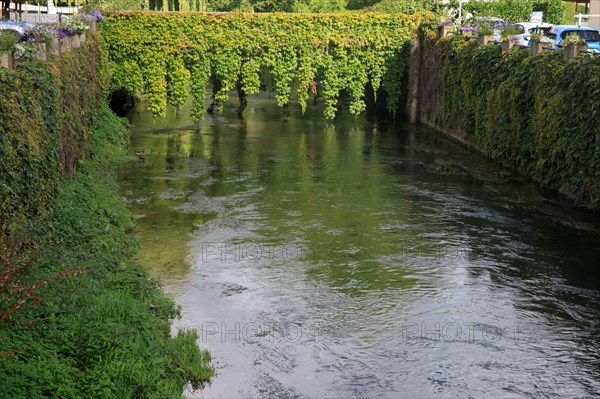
{"x": 165, "y": 56}
{"x": 538, "y": 114}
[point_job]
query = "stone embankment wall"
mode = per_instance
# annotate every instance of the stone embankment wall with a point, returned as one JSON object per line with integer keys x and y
{"x": 538, "y": 114}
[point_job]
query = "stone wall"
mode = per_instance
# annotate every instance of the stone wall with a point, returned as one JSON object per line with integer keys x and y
{"x": 515, "y": 107}
{"x": 44, "y": 50}
{"x": 425, "y": 91}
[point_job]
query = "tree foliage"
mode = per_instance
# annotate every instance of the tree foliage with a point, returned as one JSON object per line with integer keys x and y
{"x": 408, "y": 6}
{"x": 515, "y": 10}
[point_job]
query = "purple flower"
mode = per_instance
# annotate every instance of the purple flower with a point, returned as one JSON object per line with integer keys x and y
{"x": 62, "y": 33}
{"x": 445, "y": 23}
{"x": 466, "y": 28}
{"x": 32, "y": 34}
{"x": 26, "y": 36}
{"x": 94, "y": 15}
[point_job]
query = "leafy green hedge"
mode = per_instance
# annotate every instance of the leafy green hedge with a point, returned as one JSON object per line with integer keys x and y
{"x": 46, "y": 112}
{"x": 539, "y": 114}
{"x": 515, "y": 10}
{"x": 167, "y": 55}
{"x": 407, "y": 6}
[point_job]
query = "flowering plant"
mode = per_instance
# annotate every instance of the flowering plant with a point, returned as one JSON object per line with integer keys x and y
{"x": 25, "y": 51}
{"x": 445, "y": 23}
{"x": 467, "y": 28}
{"x": 62, "y": 32}
{"x": 537, "y": 36}
{"x": 93, "y": 15}
{"x": 39, "y": 34}
{"x": 572, "y": 39}
{"x": 76, "y": 27}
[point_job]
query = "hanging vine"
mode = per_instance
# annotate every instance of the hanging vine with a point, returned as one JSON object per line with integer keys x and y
{"x": 168, "y": 56}
{"x": 178, "y": 82}
{"x": 526, "y": 111}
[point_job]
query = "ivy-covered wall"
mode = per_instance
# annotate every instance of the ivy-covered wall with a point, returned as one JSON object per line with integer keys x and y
{"x": 164, "y": 56}
{"x": 46, "y": 112}
{"x": 540, "y": 115}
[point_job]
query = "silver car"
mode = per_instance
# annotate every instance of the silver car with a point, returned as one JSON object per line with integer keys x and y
{"x": 525, "y": 29}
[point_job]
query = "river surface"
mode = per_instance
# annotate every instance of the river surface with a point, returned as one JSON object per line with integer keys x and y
{"x": 363, "y": 258}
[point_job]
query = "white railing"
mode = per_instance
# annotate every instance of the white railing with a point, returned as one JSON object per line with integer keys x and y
{"x": 580, "y": 17}
{"x": 34, "y": 13}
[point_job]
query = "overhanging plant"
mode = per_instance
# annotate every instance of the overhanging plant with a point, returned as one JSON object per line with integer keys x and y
{"x": 572, "y": 39}
{"x": 41, "y": 33}
{"x": 7, "y": 41}
{"x": 507, "y": 33}
{"x": 26, "y": 51}
{"x": 485, "y": 30}
{"x": 536, "y": 36}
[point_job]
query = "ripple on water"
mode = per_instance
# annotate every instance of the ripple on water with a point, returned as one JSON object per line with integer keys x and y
{"x": 419, "y": 270}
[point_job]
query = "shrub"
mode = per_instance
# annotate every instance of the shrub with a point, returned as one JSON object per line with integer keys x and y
{"x": 515, "y": 10}
{"x": 8, "y": 39}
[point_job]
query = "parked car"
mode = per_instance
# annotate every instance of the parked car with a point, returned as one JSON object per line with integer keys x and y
{"x": 525, "y": 29}
{"x": 591, "y": 36}
{"x": 19, "y": 27}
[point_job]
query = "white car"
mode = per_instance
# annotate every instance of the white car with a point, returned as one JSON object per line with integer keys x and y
{"x": 525, "y": 29}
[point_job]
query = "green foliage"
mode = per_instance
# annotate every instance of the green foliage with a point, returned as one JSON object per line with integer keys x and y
{"x": 29, "y": 141}
{"x": 360, "y": 4}
{"x": 508, "y": 31}
{"x": 272, "y": 5}
{"x": 78, "y": 317}
{"x": 408, "y": 6}
{"x": 528, "y": 112}
{"x": 81, "y": 92}
{"x": 571, "y": 10}
{"x": 225, "y": 5}
{"x": 555, "y": 11}
{"x": 320, "y": 6}
{"x": 8, "y": 40}
{"x": 485, "y": 30}
{"x": 25, "y": 51}
{"x": 45, "y": 116}
{"x": 515, "y": 10}
{"x": 165, "y": 56}
{"x": 103, "y": 330}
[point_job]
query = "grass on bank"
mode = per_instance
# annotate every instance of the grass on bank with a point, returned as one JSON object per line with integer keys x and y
{"x": 94, "y": 324}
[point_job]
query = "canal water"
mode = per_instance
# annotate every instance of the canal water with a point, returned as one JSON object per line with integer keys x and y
{"x": 363, "y": 258}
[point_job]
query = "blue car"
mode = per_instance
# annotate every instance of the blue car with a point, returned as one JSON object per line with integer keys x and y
{"x": 558, "y": 33}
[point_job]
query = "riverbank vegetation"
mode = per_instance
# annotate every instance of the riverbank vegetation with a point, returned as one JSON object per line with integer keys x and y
{"x": 165, "y": 56}
{"x": 314, "y": 6}
{"x": 78, "y": 317}
{"x": 527, "y": 112}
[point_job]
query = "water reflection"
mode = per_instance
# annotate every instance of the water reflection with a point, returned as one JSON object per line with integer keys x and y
{"x": 364, "y": 258}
